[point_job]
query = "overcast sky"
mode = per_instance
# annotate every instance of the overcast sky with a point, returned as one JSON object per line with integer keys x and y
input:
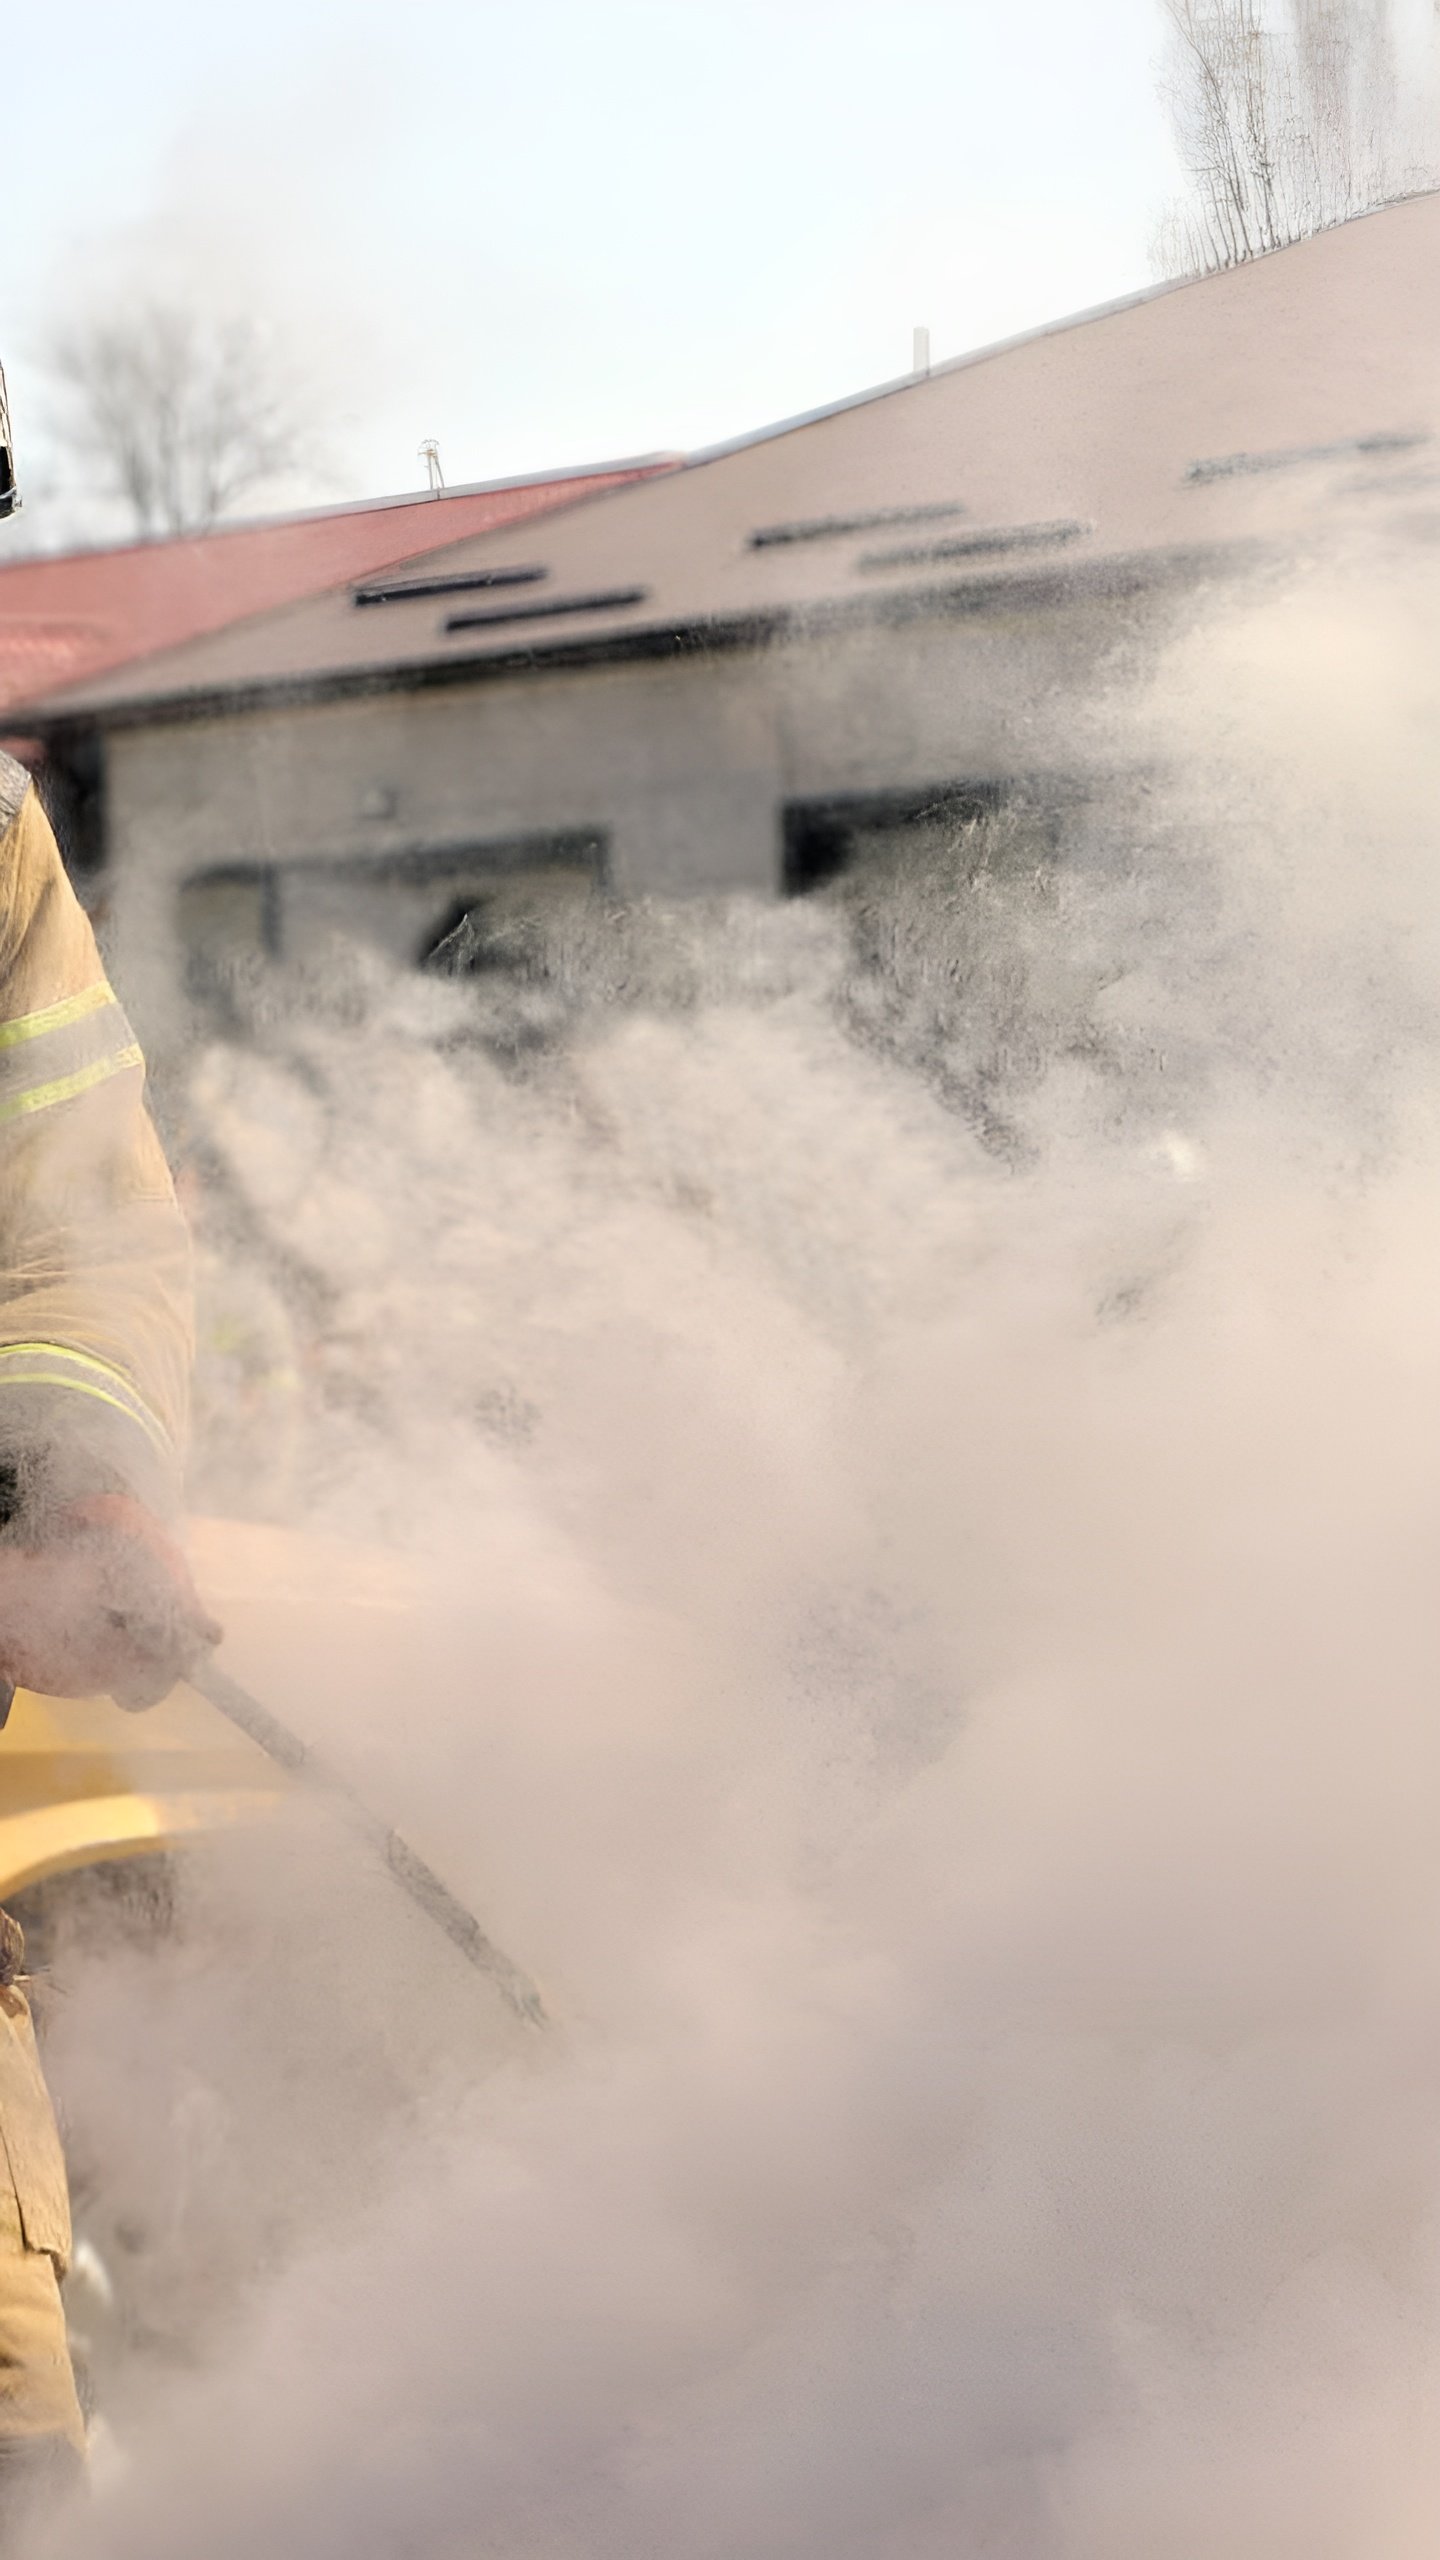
{"x": 553, "y": 231}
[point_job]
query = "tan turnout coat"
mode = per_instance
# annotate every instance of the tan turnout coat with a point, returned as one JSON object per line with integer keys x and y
{"x": 94, "y": 1364}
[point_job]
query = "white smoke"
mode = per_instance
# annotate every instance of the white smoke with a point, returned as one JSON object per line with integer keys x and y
{"x": 924, "y": 1508}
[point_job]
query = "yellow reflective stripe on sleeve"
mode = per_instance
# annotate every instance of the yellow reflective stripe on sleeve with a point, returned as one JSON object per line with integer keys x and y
{"x": 107, "y": 1385}
{"x": 81, "y": 1387}
{"x": 63, "y": 1050}
{"x": 39, "y": 1097}
{"x": 55, "y": 1017}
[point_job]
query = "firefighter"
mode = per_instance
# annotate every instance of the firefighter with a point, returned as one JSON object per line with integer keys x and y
{"x": 95, "y": 1597}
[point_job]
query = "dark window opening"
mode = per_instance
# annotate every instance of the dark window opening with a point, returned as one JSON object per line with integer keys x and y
{"x": 230, "y": 926}
{"x": 505, "y": 931}
{"x": 823, "y": 838}
{"x": 487, "y": 860}
{"x": 457, "y": 946}
{"x": 457, "y": 909}
{"x": 502, "y": 918}
{"x": 487, "y": 936}
{"x": 455, "y": 583}
{"x": 827, "y": 528}
{"x": 71, "y": 783}
{"x": 1228, "y": 466}
{"x": 605, "y": 602}
{"x": 978, "y": 546}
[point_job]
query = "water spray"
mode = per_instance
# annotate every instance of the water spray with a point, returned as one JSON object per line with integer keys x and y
{"x": 411, "y": 1872}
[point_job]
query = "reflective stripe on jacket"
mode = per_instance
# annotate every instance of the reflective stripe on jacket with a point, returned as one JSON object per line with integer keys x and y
{"x": 94, "y": 1260}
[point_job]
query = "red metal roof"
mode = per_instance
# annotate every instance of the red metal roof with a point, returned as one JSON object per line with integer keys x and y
{"x": 81, "y": 612}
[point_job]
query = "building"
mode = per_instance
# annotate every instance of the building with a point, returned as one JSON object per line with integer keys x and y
{"x": 68, "y": 617}
{"x": 731, "y": 675}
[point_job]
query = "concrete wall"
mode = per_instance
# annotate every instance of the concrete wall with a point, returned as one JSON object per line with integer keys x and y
{"x": 684, "y": 768}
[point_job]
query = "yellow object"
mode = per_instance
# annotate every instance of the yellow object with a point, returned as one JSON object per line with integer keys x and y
{"x": 27, "y": 2131}
{"x": 95, "y": 1330}
{"x": 95, "y": 1350}
{"x": 81, "y": 1782}
{"x": 37, "y": 2385}
{"x": 55, "y": 1017}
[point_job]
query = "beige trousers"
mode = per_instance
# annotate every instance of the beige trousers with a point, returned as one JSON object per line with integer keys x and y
{"x": 37, "y": 2385}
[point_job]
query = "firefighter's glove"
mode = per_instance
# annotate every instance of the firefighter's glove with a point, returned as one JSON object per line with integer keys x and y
{"x": 99, "y": 1600}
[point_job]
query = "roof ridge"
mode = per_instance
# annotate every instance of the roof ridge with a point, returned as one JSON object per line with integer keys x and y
{"x": 578, "y": 471}
{"x": 1044, "y": 329}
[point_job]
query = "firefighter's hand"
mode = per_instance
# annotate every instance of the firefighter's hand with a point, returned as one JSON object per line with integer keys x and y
{"x": 103, "y": 1603}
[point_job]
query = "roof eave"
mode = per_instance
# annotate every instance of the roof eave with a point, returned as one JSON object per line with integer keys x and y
{"x": 1111, "y": 577}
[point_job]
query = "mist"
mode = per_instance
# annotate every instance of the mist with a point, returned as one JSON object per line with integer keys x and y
{"x": 887, "y": 1450}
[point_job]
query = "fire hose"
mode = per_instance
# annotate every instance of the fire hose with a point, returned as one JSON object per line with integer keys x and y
{"x": 411, "y": 1872}
{"x": 409, "y": 1869}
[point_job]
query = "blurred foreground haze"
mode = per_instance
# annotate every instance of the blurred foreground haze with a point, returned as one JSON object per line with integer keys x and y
{"x": 851, "y": 1452}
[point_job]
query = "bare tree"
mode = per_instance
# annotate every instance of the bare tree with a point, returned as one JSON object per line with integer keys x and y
{"x": 1283, "y": 125}
{"x": 180, "y": 414}
{"x": 1349, "y": 101}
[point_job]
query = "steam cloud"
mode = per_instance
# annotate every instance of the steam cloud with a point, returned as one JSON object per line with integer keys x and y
{"x": 917, "y": 1432}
